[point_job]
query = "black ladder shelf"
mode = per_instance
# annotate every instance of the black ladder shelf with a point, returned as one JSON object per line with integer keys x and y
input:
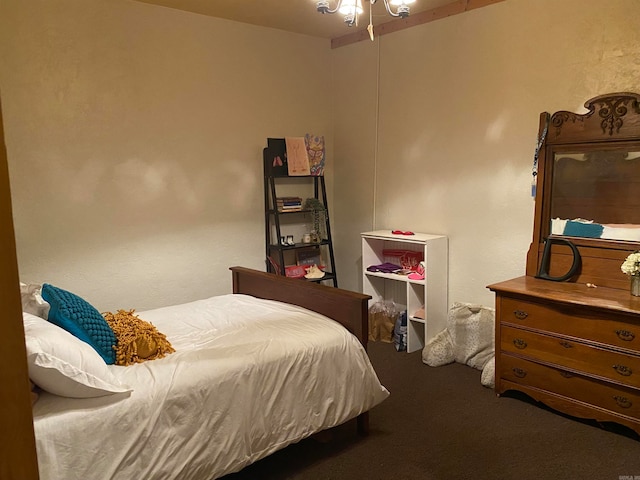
{"x": 278, "y": 255}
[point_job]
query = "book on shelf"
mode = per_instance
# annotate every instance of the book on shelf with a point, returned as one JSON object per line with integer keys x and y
{"x": 289, "y": 199}
{"x": 289, "y": 204}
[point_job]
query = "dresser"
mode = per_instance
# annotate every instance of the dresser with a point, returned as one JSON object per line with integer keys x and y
{"x": 568, "y": 332}
{"x": 572, "y": 347}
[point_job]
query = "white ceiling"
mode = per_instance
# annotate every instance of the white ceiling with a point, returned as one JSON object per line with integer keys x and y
{"x": 298, "y": 16}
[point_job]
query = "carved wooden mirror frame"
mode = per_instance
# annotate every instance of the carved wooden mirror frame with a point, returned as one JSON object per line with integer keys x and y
{"x": 612, "y": 124}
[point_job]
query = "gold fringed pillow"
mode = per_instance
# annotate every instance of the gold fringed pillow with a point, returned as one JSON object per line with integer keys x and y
{"x": 138, "y": 340}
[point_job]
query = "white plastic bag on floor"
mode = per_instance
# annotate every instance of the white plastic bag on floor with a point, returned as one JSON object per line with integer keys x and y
{"x": 382, "y": 320}
{"x": 488, "y": 378}
{"x": 469, "y": 338}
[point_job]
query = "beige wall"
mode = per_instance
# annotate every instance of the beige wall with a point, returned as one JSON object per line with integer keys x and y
{"x": 459, "y": 103}
{"x": 134, "y": 134}
{"x": 134, "y": 137}
{"x": 355, "y": 125}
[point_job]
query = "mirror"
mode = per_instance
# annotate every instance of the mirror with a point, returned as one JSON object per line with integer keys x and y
{"x": 588, "y": 190}
{"x": 595, "y": 193}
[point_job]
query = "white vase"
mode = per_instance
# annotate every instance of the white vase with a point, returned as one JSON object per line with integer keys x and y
{"x": 635, "y": 285}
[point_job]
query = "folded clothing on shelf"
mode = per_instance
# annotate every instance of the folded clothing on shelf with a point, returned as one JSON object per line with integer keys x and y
{"x": 384, "y": 268}
{"x": 408, "y": 259}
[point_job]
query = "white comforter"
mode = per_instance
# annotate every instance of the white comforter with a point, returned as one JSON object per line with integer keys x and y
{"x": 249, "y": 377}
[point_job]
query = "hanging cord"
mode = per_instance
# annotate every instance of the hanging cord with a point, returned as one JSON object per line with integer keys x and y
{"x": 536, "y": 155}
{"x": 370, "y": 26}
{"x": 377, "y": 126}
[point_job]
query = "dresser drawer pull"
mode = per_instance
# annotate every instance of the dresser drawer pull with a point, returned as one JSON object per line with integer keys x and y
{"x": 518, "y": 372}
{"x": 625, "y": 335}
{"x": 623, "y": 402}
{"x": 566, "y": 374}
{"x": 520, "y": 314}
{"x": 623, "y": 370}
{"x": 566, "y": 344}
{"x": 520, "y": 343}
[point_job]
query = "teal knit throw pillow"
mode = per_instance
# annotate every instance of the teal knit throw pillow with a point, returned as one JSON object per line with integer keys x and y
{"x": 81, "y": 319}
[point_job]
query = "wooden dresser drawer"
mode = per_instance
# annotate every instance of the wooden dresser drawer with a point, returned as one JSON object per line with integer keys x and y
{"x": 608, "y": 364}
{"x": 617, "y": 399}
{"x": 579, "y": 323}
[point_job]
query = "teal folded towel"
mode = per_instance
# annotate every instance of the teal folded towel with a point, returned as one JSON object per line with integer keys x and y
{"x": 581, "y": 229}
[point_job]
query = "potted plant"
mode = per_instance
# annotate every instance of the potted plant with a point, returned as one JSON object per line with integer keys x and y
{"x": 318, "y": 214}
{"x": 631, "y": 267}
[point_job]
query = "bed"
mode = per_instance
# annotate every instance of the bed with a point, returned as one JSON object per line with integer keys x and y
{"x": 275, "y": 362}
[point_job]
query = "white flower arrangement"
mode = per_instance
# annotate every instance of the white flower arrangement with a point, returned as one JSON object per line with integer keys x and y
{"x": 631, "y": 266}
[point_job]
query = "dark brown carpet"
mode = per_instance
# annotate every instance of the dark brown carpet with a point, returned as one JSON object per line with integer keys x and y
{"x": 442, "y": 424}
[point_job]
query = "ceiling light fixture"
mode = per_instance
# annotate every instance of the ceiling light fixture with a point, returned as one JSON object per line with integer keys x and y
{"x": 351, "y": 9}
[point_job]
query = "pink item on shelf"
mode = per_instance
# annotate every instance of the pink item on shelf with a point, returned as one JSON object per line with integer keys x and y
{"x": 419, "y": 273}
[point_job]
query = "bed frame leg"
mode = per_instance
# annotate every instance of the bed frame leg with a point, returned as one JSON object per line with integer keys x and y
{"x": 363, "y": 424}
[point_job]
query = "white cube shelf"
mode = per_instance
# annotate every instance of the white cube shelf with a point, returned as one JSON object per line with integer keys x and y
{"x": 406, "y": 293}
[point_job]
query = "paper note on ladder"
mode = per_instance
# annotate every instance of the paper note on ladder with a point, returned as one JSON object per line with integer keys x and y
{"x": 297, "y": 158}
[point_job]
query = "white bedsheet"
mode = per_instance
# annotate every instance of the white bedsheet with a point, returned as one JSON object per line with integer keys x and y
{"x": 612, "y": 231}
{"x": 249, "y": 377}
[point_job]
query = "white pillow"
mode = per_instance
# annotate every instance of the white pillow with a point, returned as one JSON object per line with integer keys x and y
{"x": 32, "y": 301}
{"x": 64, "y": 365}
